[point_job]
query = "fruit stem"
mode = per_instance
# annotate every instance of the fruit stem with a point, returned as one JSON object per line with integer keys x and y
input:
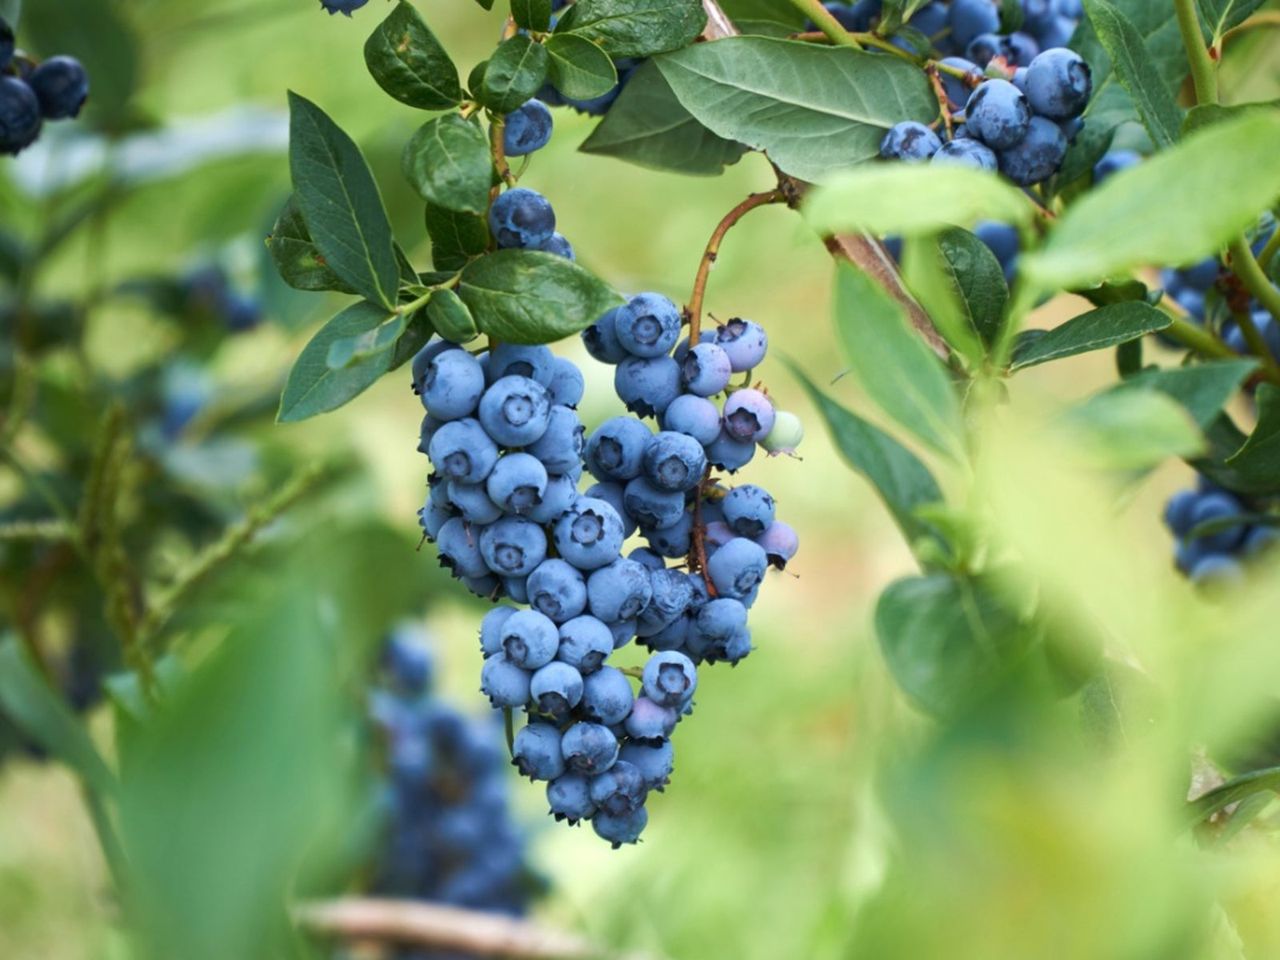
{"x": 1203, "y": 74}
{"x": 827, "y": 23}
{"x": 693, "y": 311}
{"x": 498, "y": 149}
{"x": 880, "y": 43}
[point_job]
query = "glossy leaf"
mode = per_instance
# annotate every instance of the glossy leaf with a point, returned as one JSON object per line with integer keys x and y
{"x": 313, "y": 386}
{"x": 527, "y": 296}
{"x": 450, "y": 317}
{"x": 1096, "y": 330}
{"x": 1133, "y": 67}
{"x": 1258, "y": 461}
{"x": 813, "y": 109}
{"x": 296, "y": 258}
{"x": 531, "y": 14}
{"x": 447, "y": 160}
{"x": 647, "y": 126}
{"x": 979, "y": 280}
{"x": 635, "y": 28}
{"x": 455, "y": 237}
{"x": 578, "y": 68}
{"x": 340, "y": 203}
{"x": 514, "y": 73}
{"x": 409, "y": 63}
{"x": 1158, "y": 28}
{"x": 1221, "y": 15}
{"x": 346, "y": 351}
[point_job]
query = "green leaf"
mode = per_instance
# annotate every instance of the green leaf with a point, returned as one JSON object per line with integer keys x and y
{"x": 929, "y": 280}
{"x": 295, "y": 255}
{"x": 450, "y": 317}
{"x": 531, "y": 14}
{"x": 1258, "y": 461}
{"x": 1205, "y": 114}
{"x": 635, "y": 28}
{"x": 11, "y": 11}
{"x": 948, "y": 641}
{"x": 1089, "y": 146}
{"x": 416, "y": 334}
{"x": 485, "y": 4}
{"x": 1152, "y": 98}
{"x": 527, "y": 296}
{"x": 447, "y": 160}
{"x": 514, "y": 73}
{"x": 897, "y": 370}
{"x": 979, "y": 280}
{"x": 409, "y": 63}
{"x": 455, "y": 237}
{"x": 1221, "y": 15}
{"x": 31, "y": 705}
{"x": 1168, "y": 210}
{"x": 902, "y": 481}
{"x": 784, "y": 13}
{"x": 647, "y": 126}
{"x": 813, "y": 109}
{"x": 1202, "y": 389}
{"x": 1133, "y": 429}
{"x": 578, "y": 68}
{"x": 909, "y": 199}
{"x": 340, "y": 203}
{"x": 1235, "y": 790}
{"x": 1095, "y": 330}
{"x": 313, "y": 386}
{"x": 348, "y": 350}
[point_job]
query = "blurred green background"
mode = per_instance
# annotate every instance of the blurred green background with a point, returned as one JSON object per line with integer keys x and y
{"x": 813, "y": 813}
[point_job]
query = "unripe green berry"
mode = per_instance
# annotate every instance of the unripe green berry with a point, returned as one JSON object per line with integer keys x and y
{"x": 786, "y": 434}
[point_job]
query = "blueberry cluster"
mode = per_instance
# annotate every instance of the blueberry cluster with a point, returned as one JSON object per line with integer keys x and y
{"x": 31, "y": 93}
{"x": 448, "y": 834}
{"x": 207, "y": 291}
{"x": 1019, "y": 120}
{"x": 1217, "y": 533}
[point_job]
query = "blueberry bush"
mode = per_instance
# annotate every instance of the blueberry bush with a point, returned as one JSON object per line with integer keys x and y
{"x": 1054, "y": 341}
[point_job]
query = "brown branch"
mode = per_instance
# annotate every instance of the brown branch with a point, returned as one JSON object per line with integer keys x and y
{"x": 484, "y": 934}
{"x": 718, "y": 25}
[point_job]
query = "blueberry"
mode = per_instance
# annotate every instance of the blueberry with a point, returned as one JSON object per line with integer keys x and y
{"x": 648, "y": 326}
{"x": 1058, "y": 84}
{"x": 461, "y": 450}
{"x": 1201, "y": 275}
{"x": 517, "y": 588}
{"x": 491, "y": 629}
{"x": 787, "y": 432}
{"x": 931, "y": 19}
{"x": 526, "y": 129}
{"x": 670, "y": 679}
{"x": 607, "y": 696}
{"x": 1020, "y": 49}
{"x": 557, "y": 590}
{"x": 748, "y": 510}
{"x": 1058, "y": 33}
{"x": 694, "y": 416}
{"x": 744, "y": 341}
{"x": 435, "y": 346}
{"x": 655, "y": 761}
{"x": 515, "y": 411}
{"x": 513, "y": 547}
{"x": 589, "y": 535}
{"x": 521, "y": 218}
{"x": 647, "y": 385}
{"x": 737, "y": 568}
{"x": 619, "y": 591}
{"x": 558, "y": 245}
{"x": 611, "y": 493}
{"x": 780, "y": 543}
{"x": 911, "y": 141}
{"x": 407, "y": 659}
{"x": 601, "y": 339}
{"x": 956, "y": 89}
{"x": 650, "y": 721}
{"x": 1218, "y": 506}
{"x": 589, "y": 748}
{"x": 433, "y": 516}
{"x": 1177, "y": 512}
{"x": 1113, "y": 161}
{"x": 1038, "y": 156}
{"x": 673, "y": 541}
{"x": 6, "y": 43}
{"x": 966, "y": 152}
{"x": 61, "y": 85}
{"x": 985, "y": 47}
{"x": 560, "y": 447}
{"x": 536, "y": 751}
{"x": 585, "y": 644}
{"x": 620, "y": 830}
{"x": 705, "y": 369}
{"x": 672, "y": 594}
{"x": 616, "y": 449}
{"x": 567, "y": 384}
{"x": 503, "y": 682}
{"x": 19, "y": 115}
{"x": 715, "y": 626}
{"x": 623, "y": 631}
{"x": 652, "y": 507}
{"x": 729, "y": 453}
{"x": 517, "y": 483}
{"x": 619, "y": 791}
{"x": 748, "y": 415}
{"x": 459, "y": 550}
{"x": 562, "y": 491}
{"x": 997, "y": 114}
{"x": 556, "y": 689}
{"x": 342, "y": 6}
{"x": 968, "y": 18}
{"x": 1259, "y": 540}
{"x": 647, "y": 558}
{"x": 529, "y": 639}
{"x": 1217, "y": 571}
{"x": 569, "y": 798}
{"x": 521, "y": 360}
{"x": 673, "y": 462}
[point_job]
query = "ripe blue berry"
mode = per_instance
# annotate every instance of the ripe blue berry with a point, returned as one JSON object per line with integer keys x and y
{"x": 706, "y": 369}
{"x": 503, "y": 682}
{"x": 1020, "y": 49}
{"x": 521, "y": 218}
{"x": 517, "y": 482}
{"x": 589, "y": 748}
{"x": 619, "y": 591}
{"x": 606, "y": 696}
{"x": 555, "y": 689}
{"x": 526, "y": 129}
{"x": 461, "y": 450}
{"x": 729, "y": 453}
{"x": 342, "y": 6}
{"x": 558, "y": 245}
{"x": 569, "y": 798}
{"x": 694, "y": 416}
{"x": 737, "y": 568}
{"x": 744, "y": 341}
{"x": 1037, "y": 156}
{"x": 491, "y": 629}
{"x": 458, "y": 549}
{"x": 654, "y": 760}
{"x": 589, "y": 534}
{"x": 515, "y": 411}
{"x": 1217, "y": 571}
{"x": 650, "y": 721}
{"x": 529, "y": 639}
{"x": 968, "y": 18}
{"x": 601, "y": 339}
{"x": 672, "y": 594}
{"x": 19, "y": 115}
{"x": 1218, "y": 506}
{"x": 536, "y": 751}
{"x": 715, "y": 625}
{"x": 616, "y": 449}
{"x": 585, "y": 644}
{"x": 557, "y": 590}
{"x": 748, "y": 415}
{"x": 674, "y": 461}
{"x": 748, "y": 510}
{"x": 1177, "y": 512}
{"x": 647, "y": 385}
{"x": 618, "y": 791}
{"x": 997, "y": 114}
{"x": 521, "y": 360}
{"x": 561, "y": 492}
{"x": 780, "y": 543}
{"x": 611, "y": 493}
{"x": 966, "y": 152}
{"x": 560, "y": 446}
{"x": 956, "y": 89}
{"x": 61, "y": 85}
{"x": 652, "y": 508}
{"x": 513, "y": 547}
{"x": 673, "y": 541}
{"x": 620, "y": 830}
{"x": 648, "y": 326}
{"x": 911, "y": 141}
{"x": 670, "y": 679}
{"x": 1058, "y": 84}
{"x": 567, "y": 384}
